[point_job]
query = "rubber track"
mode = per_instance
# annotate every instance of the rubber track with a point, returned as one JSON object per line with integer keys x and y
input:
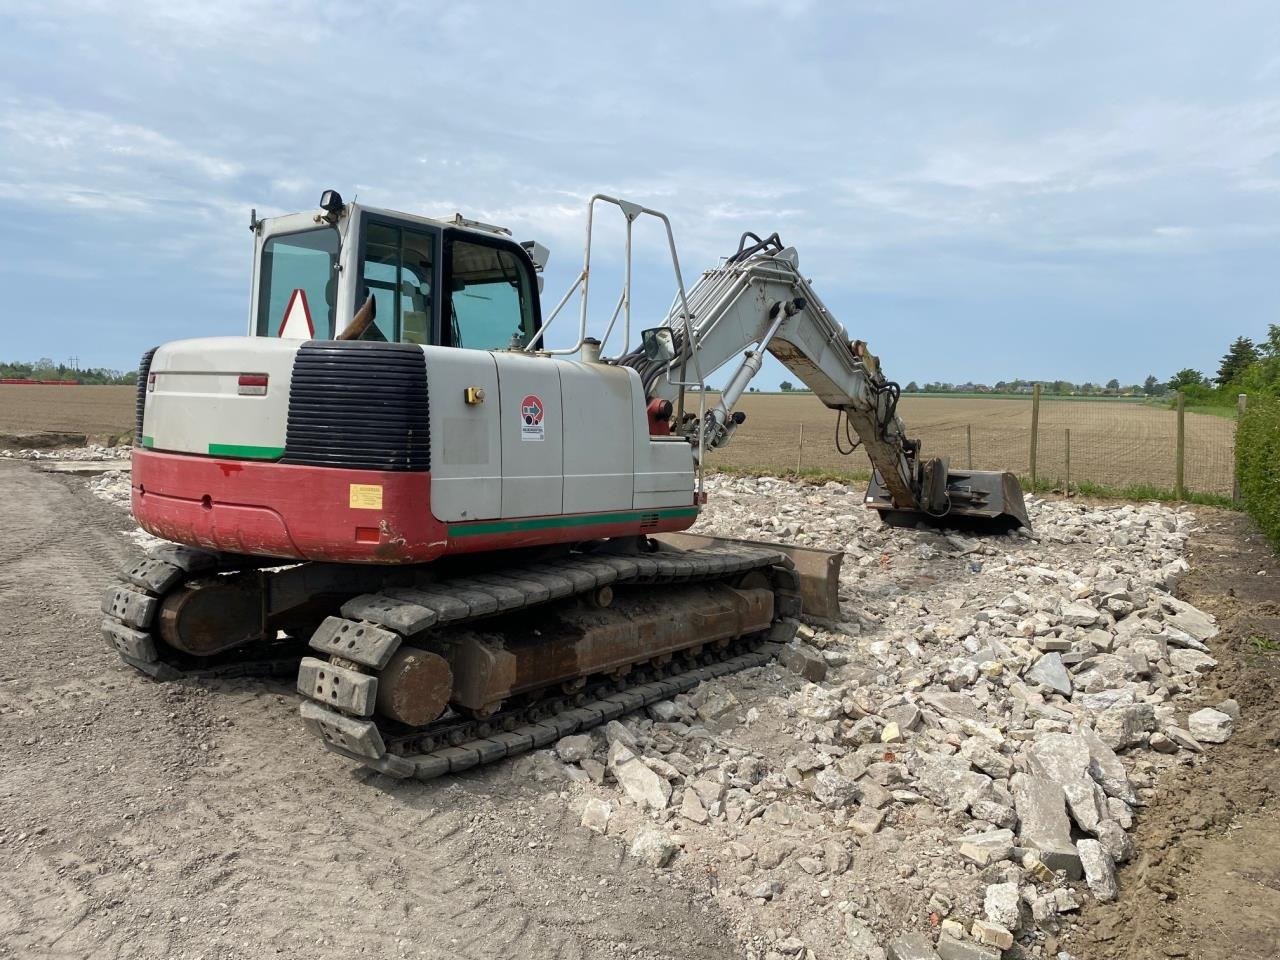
{"x": 378, "y": 620}
{"x": 128, "y": 626}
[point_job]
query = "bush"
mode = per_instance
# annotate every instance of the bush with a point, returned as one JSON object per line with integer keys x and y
{"x": 1258, "y": 464}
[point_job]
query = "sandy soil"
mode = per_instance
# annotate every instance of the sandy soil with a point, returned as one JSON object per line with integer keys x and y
{"x": 1206, "y": 884}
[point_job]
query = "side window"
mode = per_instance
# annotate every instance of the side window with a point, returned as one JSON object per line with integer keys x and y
{"x": 397, "y": 272}
{"x": 298, "y": 262}
{"x": 491, "y": 300}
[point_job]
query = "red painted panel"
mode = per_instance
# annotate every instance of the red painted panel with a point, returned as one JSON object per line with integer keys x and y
{"x": 305, "y": 513}
{"x": 281, "y": 510}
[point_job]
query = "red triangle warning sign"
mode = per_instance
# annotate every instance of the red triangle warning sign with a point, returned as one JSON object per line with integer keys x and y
{"x": 296, "y": 324}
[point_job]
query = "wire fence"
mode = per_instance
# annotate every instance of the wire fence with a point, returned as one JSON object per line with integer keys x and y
{"x": 1121, "y": 445}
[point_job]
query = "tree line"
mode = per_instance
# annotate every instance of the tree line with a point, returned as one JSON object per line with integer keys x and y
{"x": 46, "y": 369}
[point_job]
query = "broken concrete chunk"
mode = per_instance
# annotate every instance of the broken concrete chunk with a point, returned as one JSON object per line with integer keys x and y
{"x": 1002, "y": 905}
{"x": 833, "y": 789}
{"x": 866, "y": 821}
{"x": 912, "y": 946}
{"x": 615, "y": 732}
{"x": 595, "y": 815}
{"x": 1121, "y": 727}
{"x": 1115, "y": 841}
{"x": 1105, "y": 767}
{"x": 1192, "y": 661}
{"x": 1064, "y": 759}
{"x": 986, "y": 758}
{"x": 1210, "y": 726}
{"x": 1043, "y": 824}
{"x": 641, "y": 784}
{"x": 691, "y": 807}
{"x": 991, "y": 934}
{"x": 1050, "y": 672}
{"x": 575, "y": 749}
{"x": 1183, "y": 739}
{"x": 802, "y": 659}
{"x": 952, "y": 949}
{"x": 1099, "y": 871}
{"x": 1080, "y": 614}
{"x": 950, "y": 783}
{"x": 653, "y": 847}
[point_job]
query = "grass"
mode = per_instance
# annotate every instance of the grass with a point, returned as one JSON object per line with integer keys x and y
{"x": 1135, "y": 491}
{"x": 1263, "y": 644}
{"x": 1226, "y": 413}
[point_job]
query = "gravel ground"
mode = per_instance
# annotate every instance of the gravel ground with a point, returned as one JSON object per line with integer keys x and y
{"x": 766, "y": 815}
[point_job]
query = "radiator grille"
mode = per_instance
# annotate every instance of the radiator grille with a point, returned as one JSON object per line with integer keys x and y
{"x": 360, "y": 406}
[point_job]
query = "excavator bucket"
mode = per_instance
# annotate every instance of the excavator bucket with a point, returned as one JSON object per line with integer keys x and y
{"x": 980, "y": 501}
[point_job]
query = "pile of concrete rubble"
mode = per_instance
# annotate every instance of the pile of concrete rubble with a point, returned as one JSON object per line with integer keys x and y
{"x": 90, "y": 452}
{"x": 947, "y": 772}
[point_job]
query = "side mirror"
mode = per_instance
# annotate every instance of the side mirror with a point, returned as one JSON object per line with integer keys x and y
{"x": 658, "y": 344}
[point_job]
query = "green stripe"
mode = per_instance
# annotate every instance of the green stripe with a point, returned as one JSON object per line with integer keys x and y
{"x": 148, "y": 441}
{"x": 245, "y": 452}
{"x": 573, "y": 520}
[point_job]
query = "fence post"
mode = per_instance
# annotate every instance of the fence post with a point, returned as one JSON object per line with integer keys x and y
{"x": 1180, "y": 455}
{"x": 1035, "y": 430}
{"x": 1242, "y": 404}
{"x": 968, "y": 444}
{"x": 1068, "y": 462}
{"x": 800, "y": 451}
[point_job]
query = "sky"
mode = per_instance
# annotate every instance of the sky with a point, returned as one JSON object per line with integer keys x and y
{"x": 982, "y": 191}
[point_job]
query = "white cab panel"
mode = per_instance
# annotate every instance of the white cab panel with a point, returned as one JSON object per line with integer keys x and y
{"x": 599, "y": 436}
{"x": 532, "y": 428}
{"x": 466, "y": 439}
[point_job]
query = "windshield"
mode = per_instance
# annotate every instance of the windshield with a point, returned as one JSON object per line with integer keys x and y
{"x": 298, "y": 284}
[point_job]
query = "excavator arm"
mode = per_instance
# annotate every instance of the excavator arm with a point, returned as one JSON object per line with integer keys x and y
{"x": 757, "y": 301}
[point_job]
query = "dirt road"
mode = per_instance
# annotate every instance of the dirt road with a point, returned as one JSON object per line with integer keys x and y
{"x": 190, "y": 820}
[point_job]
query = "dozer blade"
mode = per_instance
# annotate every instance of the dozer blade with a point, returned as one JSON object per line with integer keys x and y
{"x": 818, "y": 570}
{"x": 981, "y": 501}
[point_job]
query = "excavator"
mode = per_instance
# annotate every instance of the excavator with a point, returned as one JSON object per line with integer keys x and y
{"x": 466, "y": 541}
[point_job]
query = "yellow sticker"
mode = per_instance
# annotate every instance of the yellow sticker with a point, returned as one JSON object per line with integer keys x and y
{"x": 366, "y": 496}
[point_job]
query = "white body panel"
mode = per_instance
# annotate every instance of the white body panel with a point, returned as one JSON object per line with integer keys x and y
{"x": 466, "y": 440}
{"x": 195, "y": 406}
{"x": 602, "y": 407}
{"x": 532, "y": 455}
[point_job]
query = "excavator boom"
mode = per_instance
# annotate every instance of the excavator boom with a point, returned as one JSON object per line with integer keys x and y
{"x": 757, "y": 301}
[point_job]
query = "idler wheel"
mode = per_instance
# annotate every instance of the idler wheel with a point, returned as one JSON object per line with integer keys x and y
{"x": 414, "y": 687}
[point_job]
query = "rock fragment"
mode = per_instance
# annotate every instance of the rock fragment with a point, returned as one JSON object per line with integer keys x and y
{"x": 912, "y": 946}
{"x": 653, "y": 847}
{"x": 1050, "y": 672}
{"x": 1099, "y": 871}
{"x": 1043, "y": 823}
{"x": 1210, "y": 725}
{"x": 595, "y": 815}
{"x": 1002, "y": 905}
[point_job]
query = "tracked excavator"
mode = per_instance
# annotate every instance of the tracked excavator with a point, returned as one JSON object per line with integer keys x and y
{"x": 467, "y": 542}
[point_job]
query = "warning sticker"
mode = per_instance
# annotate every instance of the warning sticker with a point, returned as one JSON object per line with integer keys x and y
{"x": 366, "y": 496}
{"x": 532, "y": 413}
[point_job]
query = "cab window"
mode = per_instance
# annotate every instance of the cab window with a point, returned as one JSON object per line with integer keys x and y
{"x": 298, "y": 262}
{"x": 397, "y": 273}
{"x": 490, "y": 298}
